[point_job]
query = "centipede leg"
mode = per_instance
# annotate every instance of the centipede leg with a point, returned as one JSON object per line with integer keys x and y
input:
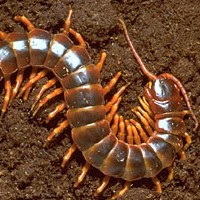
{"x": 144, "y": 121}
{"x": 182, "y": 155}
{"x": 157, "y": 184}
{"x": 55, "y": 93}
{"x": 113, "y": 110}
{"x": 132, "y": 134}
{"x": 188, "y": 141}
{"x": 111, "y": 84}
{"x": 145, "y": 105}
{"x": 145, "y": 115}
{"x": 7, "y": 86}
{"x": 64, "y": 124}
{"x": 3, "y": 35}
{"x": 25, "y": 21}
{"x": 84, "y": 171}
{"x": 101, "y": 60}
{"x": 171, "y": 174}
{"x": 28, "y": 90}
{"x": 68, "y": 22}
{"x": 59, "y": 108}
{"x": 68, "y": 30}
{"x": 34, "y": 77}
{"x": 122, "y": 191}
{"x": 103, "y": 185}
{"x": 19, "y": 80}
{"x": 115, "y": 97}
{"x": 114, "y": 126}
{"x": 141, "y": 130}
{"x": 45, "y": 87}
{"x": 68, "y": 154}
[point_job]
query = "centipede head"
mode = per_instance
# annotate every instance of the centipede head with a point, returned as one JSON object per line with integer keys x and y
{"x": 162, "y": 89}
{"x": 163, "y": 95}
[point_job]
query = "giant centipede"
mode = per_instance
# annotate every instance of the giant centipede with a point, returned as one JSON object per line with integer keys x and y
{"x": 94, "y": 124}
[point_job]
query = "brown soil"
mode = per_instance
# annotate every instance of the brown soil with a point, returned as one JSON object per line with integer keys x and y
{"x": 167, "y": 36}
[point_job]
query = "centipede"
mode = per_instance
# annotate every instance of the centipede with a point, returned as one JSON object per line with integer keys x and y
{"x": 96, "y": 128}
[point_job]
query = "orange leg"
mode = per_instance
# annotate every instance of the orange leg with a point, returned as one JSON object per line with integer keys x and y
{"x": 55, "y": 93}
{"x": 132, "y": 134}
{"x": 19, "y": 80}
{"x": 113, "y": 110}
{"x": 78, "y": 37}
{"x": 114, "y": 126}
{"x": 140, "y": 129}
{"x": 182, "y": 155}
{"x": 84, "y": 171}
{"x": 121, "y": 132}
{"x": 145, "y": 115}
{"x": 7, "y": 86}
{"x": 144, "y": 122}
{"x": 33, "y": 79}
{"x": 188, "y": 141}
{"x": 57, "y": 130}
{"x": 103, "y": 185}
{"x": 68, "y": 22}
{"x": 122, "y": 191}
{"x": 32, "y": 75}
{"x": 101, "y": 60}
{"x": 115, "y": 97}
{"x": 59, "y": 108}
{"x": 145, "y": 105}
{"x": 45, "y": 87}
{"x": 68, "y": 30}
{"x": 68, "y": 154}
{"x": 25, "y": 21}
{"x": 111, "y": 84}
{"x": 171, "y": 174}
{"x": 3, "y": 35}
{"x": 157, "y": 184}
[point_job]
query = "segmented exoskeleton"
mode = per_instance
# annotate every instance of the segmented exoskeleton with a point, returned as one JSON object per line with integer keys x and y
{"x": 87, "y": 114}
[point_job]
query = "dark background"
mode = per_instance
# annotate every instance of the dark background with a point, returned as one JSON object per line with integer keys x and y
{"x": 167, "y": 36}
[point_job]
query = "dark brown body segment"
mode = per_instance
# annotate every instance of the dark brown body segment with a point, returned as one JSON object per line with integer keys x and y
{"x": 86, "y": 95}
{"x": 8, "y": 62}
{"x": 86, "y": 136}
{"x": 164, "y": 151}
{"x": 99, "y": 151}
{"x": 60, "y": 43}
{"x": 20, "y": 45}
{"x": 135, "y": 166}
{"x": 74, "y": 58}
{"x": 87, "y": 115}
{"x": 39, "y": 43}
{"x": 115, "y": 162}
{"x": 88, "y": 74}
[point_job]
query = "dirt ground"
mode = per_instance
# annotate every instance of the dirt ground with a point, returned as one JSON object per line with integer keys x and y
{"x": 166, "y": 33}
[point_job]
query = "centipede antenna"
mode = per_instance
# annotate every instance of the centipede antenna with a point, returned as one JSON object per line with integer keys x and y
{"x": 137, "y": 57}
{"x": 68, "y": 22}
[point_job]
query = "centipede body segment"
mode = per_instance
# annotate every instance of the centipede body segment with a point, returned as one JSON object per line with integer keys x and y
{"x": 97, "y": 131}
